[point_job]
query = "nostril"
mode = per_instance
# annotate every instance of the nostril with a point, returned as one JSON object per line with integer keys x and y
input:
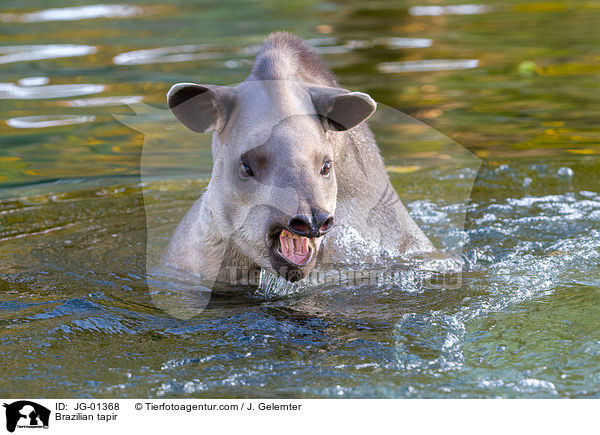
{"x": 299, "y": 225}
{"x": 326, "y": 226}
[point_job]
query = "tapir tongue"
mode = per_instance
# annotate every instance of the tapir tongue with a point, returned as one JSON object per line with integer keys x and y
{"x": 293, "y": 247}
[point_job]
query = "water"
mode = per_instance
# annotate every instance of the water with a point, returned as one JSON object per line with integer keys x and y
{"x": 515, "y": 83}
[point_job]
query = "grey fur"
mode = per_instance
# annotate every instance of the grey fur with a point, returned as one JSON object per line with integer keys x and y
{"x": 286, "y": 57}
{"x": 287, "y": 118}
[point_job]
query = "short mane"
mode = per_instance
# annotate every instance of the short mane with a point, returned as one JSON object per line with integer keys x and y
{"x": 284, "y": 56}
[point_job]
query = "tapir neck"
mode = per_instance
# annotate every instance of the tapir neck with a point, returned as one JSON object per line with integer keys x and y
{"x": 198, "y": 246}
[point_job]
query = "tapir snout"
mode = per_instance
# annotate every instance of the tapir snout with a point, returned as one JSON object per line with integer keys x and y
{"x": 316, "y": 224}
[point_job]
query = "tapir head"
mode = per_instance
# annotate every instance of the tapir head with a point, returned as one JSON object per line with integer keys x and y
{"x": 276, "y": 146}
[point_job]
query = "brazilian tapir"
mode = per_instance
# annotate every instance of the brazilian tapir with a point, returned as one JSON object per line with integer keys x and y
{"x": 297, "y": 176}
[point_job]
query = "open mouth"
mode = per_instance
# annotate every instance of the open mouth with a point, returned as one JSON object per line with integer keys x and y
{"x": 294, "y": 248}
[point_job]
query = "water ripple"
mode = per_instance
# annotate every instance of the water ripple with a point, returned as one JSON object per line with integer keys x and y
{"x": 448, "y": 10}
{"x": 44, "y": 121}
{"x": 426, "y": 341}
{"x": 21, "y": 53}
{"x": 104, "y": 101}
{"x": 11, "y": 91}
{"x": 73, "y": 13}
{"x": 427, "y": 65}
{"x": 396, "y": 43}
{"x": 33, "y": 81}
{"x": 179, "y": 53}
{"x": 334, "y": 46}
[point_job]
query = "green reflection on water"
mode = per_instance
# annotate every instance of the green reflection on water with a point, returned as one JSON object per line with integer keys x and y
{"x": 496, "y": 109}
{"x": 532, "y": 102}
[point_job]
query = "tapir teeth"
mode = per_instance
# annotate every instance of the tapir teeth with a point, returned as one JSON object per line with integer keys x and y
{"x": 294, "y": 248}
{"x": 286, "y": 233}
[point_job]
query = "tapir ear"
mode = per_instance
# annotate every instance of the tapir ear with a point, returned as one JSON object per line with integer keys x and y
{"x": 341, "y": 109}
{"x": 201, "y": 108}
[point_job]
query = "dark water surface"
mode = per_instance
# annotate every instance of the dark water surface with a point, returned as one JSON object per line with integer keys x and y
{"x": 515, "y": 83}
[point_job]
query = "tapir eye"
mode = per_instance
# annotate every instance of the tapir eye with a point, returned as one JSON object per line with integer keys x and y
{"x": 326, "y": 168}
{"x": 245, "y": 170}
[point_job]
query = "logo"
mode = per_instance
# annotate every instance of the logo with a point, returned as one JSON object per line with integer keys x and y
{"x": 26, "y": 414}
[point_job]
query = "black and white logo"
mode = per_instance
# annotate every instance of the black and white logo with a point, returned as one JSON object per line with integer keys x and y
{"x": 26, "y": 414}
